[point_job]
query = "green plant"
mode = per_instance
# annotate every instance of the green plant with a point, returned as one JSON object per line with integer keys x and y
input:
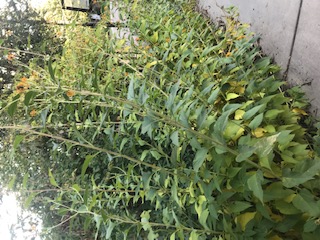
{"x": 187, "y": 134}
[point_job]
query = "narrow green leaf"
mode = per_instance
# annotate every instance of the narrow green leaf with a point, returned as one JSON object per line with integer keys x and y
{"x": 175, "y": 138}
{"x": 29, "y": 97}
{"x": 51, "y": 70}
{"x": 28, "y": 201}
{"x": 255, "y": 185}
{"x": 213, "y": 96}
{"x": 131, "y": 95}
{"x": 222, "y": 121}
{"x": 109, "y": 229}
{"x": 12, "y": 182}
{"x": 13, "y": 106}
{"x": 25, "y": 181}
{"x": 173, "y": 236}
{"x": 52, "y": 180}
{"x": 17, "y": 140}
{"x": 203, "y": 218}
{"x": 86, "y": 163}
{"x": 199, "y": 158}
{"x": 44, "y": 114}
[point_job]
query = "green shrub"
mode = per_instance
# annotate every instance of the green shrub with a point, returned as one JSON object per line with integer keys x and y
{"x": 185, "y": 135}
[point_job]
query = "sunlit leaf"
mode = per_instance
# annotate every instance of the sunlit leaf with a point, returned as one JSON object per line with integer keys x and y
{"x": 244, "y": 219}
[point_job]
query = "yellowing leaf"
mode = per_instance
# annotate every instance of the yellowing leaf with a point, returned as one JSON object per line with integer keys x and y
{"x": 276, "y": 218}
{"x": 290, "y": 198}
{"x": 275, "y": 237}
{"x": 240, "y": 90}
{"x": 244, "y": 219}
{"x": 149, "y": 65}
{"x": 259, "y": 132}
{"x": 238, "y": 134}
{"x": 238, "y": 114}
{"x": 299, "y": 111}
{"x": 269, "y": 175}
{"x": 231, "y": 96}
{"x": 154, "y": 37}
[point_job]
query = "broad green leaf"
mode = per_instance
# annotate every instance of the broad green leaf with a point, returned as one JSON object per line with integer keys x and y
{"x": 255, "y": 185}
{"x": 199, "y": 158}
{"x": 250, "y": 113}
{"x": 244, "y": 219}
{"x": 310, "y": 226}
{"x": 305, "y": 202}
{"x": 276, "y": 191}
{"x": 194, "y": 235}
{"x": 286, "y": 208}
{"x": 285, "y": 137}
{"x": 238, "y": 206}
{"x": 155, "y": 154}
{"x": 306, "y": 170}
{"x": 52, "y": 180}
{"x": 256, "y": 121}
{"x": 272, "y": 114}
{"x": 244, "y": 153}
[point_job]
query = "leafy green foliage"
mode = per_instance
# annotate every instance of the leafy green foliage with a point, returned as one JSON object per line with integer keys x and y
{"x": 186, "y": 134}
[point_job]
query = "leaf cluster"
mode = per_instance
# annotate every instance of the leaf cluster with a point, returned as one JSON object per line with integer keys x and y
{"x": 183, "y": 132}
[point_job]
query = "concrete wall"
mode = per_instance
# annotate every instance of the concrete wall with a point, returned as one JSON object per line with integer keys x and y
{"x": 290, "y": 33}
